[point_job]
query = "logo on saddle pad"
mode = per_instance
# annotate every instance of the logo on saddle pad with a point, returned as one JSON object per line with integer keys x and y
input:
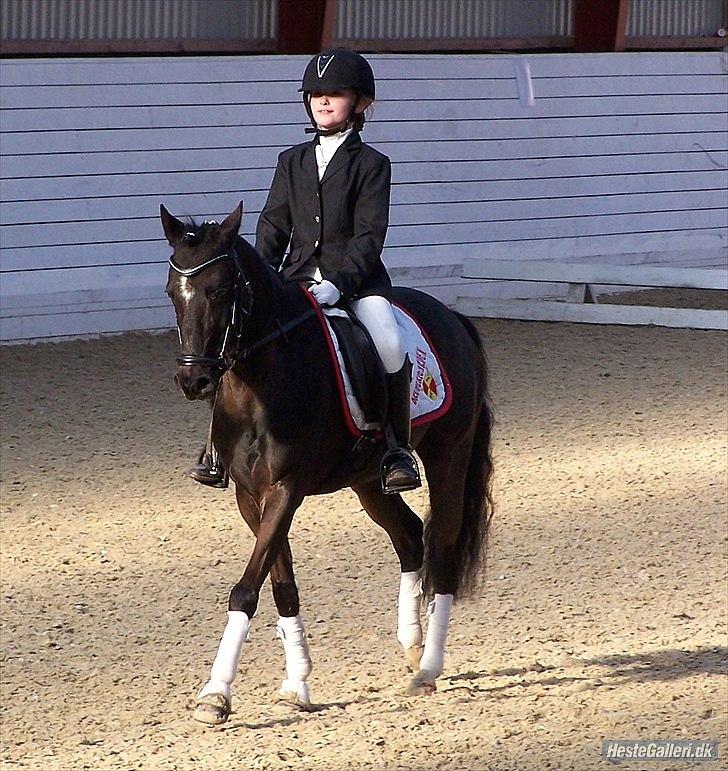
{"x": 429, "y": 387}
{"x": 423, "y": 382}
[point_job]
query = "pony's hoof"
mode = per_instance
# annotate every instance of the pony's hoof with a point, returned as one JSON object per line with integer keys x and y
{"x": 296, "y": 694}
{"x": 422, "y": 684}
{"x": 213, "y": 709}
{"x": 413, "y": 656}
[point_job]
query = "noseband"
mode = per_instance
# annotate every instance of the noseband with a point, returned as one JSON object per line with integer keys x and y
{"x": 237, "y": 314}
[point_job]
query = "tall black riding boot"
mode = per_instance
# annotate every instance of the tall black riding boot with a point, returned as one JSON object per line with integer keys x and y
{"x": 209, "y": 470}
{"x": 399, "y": 467}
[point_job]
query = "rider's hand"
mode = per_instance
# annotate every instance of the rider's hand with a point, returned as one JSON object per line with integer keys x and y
{"x": 326, "y": 293}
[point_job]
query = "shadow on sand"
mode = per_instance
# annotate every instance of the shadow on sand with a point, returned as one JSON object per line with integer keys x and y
{"x": 661, "y": 665}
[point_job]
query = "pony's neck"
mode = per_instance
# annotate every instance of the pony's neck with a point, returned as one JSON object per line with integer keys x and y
{"x": 274, "y": 302}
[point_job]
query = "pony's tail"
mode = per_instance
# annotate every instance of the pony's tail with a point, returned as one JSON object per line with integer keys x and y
{"x": 472, "y": 543}
{"x": 470, "y": 549}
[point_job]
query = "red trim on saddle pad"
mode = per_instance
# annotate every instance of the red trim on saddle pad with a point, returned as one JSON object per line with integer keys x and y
{"x": 354, "y": 430}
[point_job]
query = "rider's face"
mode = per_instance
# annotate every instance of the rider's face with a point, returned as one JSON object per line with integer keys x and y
{"x": 331, "y": 110}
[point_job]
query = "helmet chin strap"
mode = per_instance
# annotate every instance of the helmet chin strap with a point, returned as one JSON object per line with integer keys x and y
{"x": 329, "y": 132}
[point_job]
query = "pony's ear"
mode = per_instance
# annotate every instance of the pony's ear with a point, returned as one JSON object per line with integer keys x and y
{"x": 231, "y": 224}
{"x": 174, "y": 229}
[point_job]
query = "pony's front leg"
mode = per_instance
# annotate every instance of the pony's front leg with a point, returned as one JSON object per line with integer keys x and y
{"x": 291, "y": 631}
{"x": 214, "y": 702}
{"x": 298, "y": 661}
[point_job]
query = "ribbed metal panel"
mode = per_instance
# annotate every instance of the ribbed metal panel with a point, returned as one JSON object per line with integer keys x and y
{"x": 407, "y": 19}
{"x": 136, "y": 19}
{"x": 675, "y": 18}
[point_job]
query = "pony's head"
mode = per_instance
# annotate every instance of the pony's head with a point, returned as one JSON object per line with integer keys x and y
{"x": 207, "y": 288}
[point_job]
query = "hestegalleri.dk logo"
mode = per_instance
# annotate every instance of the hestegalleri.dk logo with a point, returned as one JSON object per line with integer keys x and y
{"x": 619, "y": 750}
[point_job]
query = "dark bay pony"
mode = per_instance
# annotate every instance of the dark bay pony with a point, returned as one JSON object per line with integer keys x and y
{"x": 253, "y": 346}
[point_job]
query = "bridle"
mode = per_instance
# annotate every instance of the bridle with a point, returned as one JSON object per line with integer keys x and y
{"x": 239, "y": 312}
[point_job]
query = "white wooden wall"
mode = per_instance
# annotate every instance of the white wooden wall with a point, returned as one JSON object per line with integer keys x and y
{"x": 566, "y": 156}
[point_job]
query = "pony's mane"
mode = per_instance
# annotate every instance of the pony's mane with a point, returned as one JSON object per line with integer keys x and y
{"x": 289, "y": 297}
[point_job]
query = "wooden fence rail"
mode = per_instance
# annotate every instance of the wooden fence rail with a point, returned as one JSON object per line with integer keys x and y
{"x": 581, "y": 304}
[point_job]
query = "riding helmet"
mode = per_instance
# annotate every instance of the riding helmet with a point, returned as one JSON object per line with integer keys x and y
{"x": 336, "y": 69}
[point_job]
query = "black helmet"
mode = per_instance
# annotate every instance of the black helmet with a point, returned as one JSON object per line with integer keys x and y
{"x": 338, "y": 68}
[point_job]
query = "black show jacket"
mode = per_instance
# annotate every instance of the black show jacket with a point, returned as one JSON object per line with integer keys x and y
{"x": 338, "y": 224}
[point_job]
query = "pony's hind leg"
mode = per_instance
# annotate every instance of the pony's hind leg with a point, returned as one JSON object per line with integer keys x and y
{"x": 404, "y": 528}
{"x": 291, "y": 631}
{"x": 446, "y": 486}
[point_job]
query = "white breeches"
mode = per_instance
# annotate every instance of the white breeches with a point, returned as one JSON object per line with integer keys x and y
{"x": 376, "y": 314}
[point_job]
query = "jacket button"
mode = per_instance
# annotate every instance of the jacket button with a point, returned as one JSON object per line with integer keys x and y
{"x": 315, "y": 243}
{"x": 317, "y": 218}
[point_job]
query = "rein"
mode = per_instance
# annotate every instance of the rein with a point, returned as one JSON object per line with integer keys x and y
{"x": 237, "y": 314}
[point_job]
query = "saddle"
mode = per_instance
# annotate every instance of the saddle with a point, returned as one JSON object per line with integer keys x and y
{"x": 362, "y": 362}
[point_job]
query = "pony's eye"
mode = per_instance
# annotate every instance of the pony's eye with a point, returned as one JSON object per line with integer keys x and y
{"x": 219, "y": 294}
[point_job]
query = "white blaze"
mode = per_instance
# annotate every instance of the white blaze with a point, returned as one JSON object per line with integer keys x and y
{"x": 186, "y": 290}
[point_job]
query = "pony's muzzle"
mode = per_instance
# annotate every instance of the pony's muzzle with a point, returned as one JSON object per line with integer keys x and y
{"x": 197, "y": 382}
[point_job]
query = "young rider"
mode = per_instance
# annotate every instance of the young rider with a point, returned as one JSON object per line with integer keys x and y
{"x": 330, "y": 199}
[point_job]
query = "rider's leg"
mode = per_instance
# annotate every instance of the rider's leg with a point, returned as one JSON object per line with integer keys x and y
{"x": 399, "y": 467}
{"x": 209, "y": 470}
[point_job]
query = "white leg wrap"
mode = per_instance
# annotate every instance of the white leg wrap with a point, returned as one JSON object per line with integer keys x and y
{"x": 433, "y": 658}
{"x": 298, "y": 660}
{"x": 225, "y": 666}
{"x": 409, "y": 628}
{"x": 293, "y": 636}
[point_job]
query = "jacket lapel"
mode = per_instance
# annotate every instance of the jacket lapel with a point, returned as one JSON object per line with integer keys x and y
{"x": 309, "y": 166}
{"x": 342, "y": 156}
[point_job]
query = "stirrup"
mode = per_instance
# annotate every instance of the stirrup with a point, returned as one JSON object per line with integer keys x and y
{"x": 399, "y": 471}
{"x": 209, "y": 473}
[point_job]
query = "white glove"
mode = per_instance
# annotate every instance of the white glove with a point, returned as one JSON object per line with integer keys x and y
{"x": 326, "y": 293}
